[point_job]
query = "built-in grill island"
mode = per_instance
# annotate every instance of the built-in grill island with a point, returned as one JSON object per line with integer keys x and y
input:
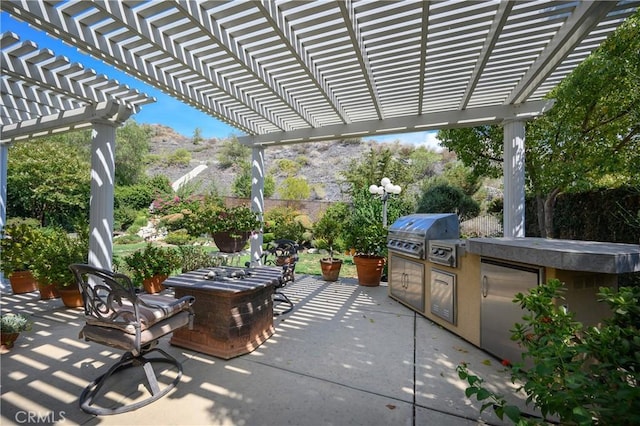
{"x": 410, "y": 242}
{"x": 468, "y": 285}
{"x": 410, "y": 235}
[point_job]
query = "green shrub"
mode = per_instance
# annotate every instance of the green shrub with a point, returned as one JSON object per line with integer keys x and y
{"x": 56, "y": 251}
{"x": 152, "y": 260}
{"x": 136, "y": 197}
{"x": 286, "y": 167}
{"x": 294, "y": 188}
{"x": 128, "y": 239}
{"x": 267, "y": 237}
{"x": 194, "y": 257}
{"x": 179, "y": 237}
{"x": 14, "y": 323}
{"x": 170, "y": 204}
{"x": 233, "y": 153}
{"x": 444, "y": 198}
{"x": 282, "y": 223}
{"x": 179, "y": 157}
{"x": 19, "y": 245}
{"x": 124, "y": 217}
{"x": 582, "y": 375}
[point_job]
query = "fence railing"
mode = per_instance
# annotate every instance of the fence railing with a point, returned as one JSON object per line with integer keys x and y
{"x": 482, "y": 226}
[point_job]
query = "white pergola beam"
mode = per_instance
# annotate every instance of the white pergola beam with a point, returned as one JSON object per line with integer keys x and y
{"x": 433, "y": 121}
{"x": 81, "y": 117}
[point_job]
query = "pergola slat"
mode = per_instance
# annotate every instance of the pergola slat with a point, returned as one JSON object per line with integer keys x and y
{"x": 285, "y": 66}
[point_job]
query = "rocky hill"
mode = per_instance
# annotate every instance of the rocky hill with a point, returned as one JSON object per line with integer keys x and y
{"x": 321, "y": 162}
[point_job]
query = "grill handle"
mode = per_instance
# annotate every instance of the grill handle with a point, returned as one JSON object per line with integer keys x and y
{"x": 485, "y": 286}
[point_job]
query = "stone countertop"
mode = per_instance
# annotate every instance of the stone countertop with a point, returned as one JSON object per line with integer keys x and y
{"x": 571, "y": 255}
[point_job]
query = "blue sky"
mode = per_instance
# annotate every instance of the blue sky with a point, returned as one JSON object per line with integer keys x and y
{"x": 166, "y": 110}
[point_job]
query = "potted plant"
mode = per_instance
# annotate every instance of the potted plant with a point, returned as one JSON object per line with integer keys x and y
{"x": 328, "y": 229}
{"x": 230, "y": 227}
{"x": 194, "y": 257}
{"x": 368, "y": 239}
{"x": 10, "y": 327}
{"x": 152, "y": 265}
{"x": 58, "y": 250}
{"x": 18, "y": 246}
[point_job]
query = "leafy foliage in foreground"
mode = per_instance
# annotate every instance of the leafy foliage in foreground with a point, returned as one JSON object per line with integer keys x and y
{"x": 583, "y": 375}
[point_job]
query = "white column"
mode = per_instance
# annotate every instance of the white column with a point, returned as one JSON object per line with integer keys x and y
{"x": 4, "y": 164}
{"x": 257, "y": 197}
{"x": 103, "y": 146}
{"x": 514, "y": 200}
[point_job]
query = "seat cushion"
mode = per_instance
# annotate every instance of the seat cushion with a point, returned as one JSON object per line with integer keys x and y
{"x": 117, "y": 338}
{"x": 152, "y": 310}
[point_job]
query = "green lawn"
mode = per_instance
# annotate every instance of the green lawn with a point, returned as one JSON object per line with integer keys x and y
{"x": 307, "y": 263}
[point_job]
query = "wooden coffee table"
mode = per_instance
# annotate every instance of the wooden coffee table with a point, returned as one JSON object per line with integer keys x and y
{"x": 233, "y": 309}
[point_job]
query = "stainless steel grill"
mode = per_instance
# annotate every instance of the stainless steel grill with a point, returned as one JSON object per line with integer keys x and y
{"x": 411, "y": 234}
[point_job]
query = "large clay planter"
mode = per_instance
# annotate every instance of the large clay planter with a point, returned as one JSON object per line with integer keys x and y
{"x": 154, "y": 284}
{"x": 231, "y": 242}
{"x": 22, "y": 282}
{"x": 369, "y": 269}
{"x": 8, "y": 339}
{"x": 330, "y": 270}
{"x": 71, "y": 296}
{"x": 48, "y": 292}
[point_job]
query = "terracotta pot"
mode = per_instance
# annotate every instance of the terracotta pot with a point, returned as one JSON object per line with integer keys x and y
{"x": 71, "y": 296}
{"x": 330, "y": 270}
{"x": 8, "y": 339}
{"x": 48, "y": 292}
{"x": 369, "y": 269}
{"x": 154, "y": 284}
{"x": 22, "y": 282}
{"x": 231, "y": 242}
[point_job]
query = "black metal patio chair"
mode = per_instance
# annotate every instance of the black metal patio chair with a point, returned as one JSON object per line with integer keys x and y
{"x": 283, "y": 253}
{"x": 118, "y": 317}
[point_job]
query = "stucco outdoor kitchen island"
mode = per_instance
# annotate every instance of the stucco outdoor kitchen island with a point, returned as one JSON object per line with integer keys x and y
{"x": 233, "y": 309}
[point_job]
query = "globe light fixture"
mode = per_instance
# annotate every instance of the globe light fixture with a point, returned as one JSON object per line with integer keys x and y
{"x": 385, "y": 190}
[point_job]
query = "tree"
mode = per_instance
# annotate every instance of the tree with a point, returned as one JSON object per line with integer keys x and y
{"x": 48, "y": 179}
{"x": 591, "y": 136}
{"x": 197, "y": 136}
{"x": 379, "y": 162}
{"x": 232, "y": 153}
{"x": 589, "y": 139}
{"x": 241, "y": 186}
{"x": 294, "y": 188}
{"x": 445, "y": 198}
{"x": 423, "y": 162}
{"x": 132, "y": 146}
{"x": 479, "y": 147}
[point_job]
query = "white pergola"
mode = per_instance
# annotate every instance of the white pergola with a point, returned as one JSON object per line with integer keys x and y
{"x": 44, "y": 94}
{"x": 289, "y": 72}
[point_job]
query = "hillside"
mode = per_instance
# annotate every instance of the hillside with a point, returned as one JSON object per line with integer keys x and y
{"x": 322, "y": 162}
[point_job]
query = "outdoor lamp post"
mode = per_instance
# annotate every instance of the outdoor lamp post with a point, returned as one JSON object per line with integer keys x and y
{"x": 385, "y": 189}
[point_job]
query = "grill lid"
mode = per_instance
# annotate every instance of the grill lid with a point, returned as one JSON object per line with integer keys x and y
{"x": 410, "y": 234}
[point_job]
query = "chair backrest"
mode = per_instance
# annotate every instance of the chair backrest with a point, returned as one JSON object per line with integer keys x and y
{"x": 112, "y": 303}
{"x": 283, "y": 253}
{"x": 105, "y": 293}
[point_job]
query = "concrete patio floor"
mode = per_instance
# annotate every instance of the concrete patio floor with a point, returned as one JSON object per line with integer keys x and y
{"x": 346, "y": 355}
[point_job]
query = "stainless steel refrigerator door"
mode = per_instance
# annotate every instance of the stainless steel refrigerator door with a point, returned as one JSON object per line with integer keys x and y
{"x": 500, "y": 282}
